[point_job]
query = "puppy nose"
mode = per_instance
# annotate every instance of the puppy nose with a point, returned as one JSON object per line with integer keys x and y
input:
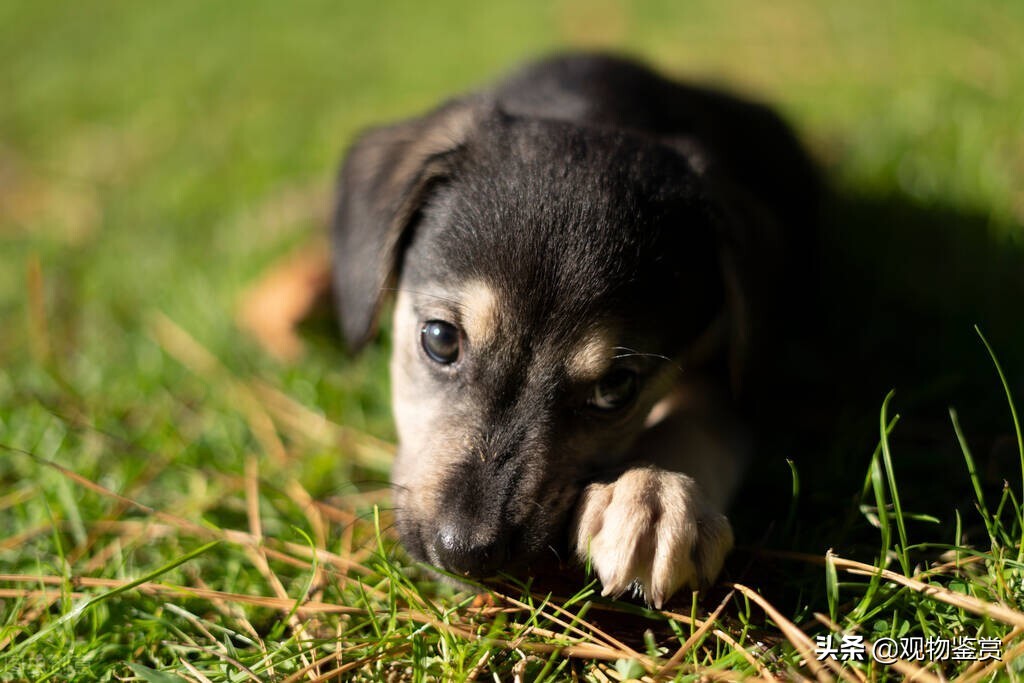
{"x": 461, "y": 554}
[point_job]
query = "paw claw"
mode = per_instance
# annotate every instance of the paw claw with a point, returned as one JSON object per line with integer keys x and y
{"x": 651, "y": 529}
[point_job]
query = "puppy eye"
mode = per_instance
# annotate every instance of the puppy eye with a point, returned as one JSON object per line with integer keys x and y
{"x": 441, "y": 341}
{"x": 615, "y": 390}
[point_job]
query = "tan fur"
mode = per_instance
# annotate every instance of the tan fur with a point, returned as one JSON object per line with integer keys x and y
{"x": 651, "y": 529}
{"x": 654, "y": 528}
{"x": 661, "y": 410}
{"x": 592, "y": 355}
{"x": 431, "y": 442}
{"x": 420, "y": 419}
{"x": 479, "y": 307}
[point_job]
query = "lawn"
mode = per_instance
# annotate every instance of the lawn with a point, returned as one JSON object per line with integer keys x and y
{"x": 177, "y": 504}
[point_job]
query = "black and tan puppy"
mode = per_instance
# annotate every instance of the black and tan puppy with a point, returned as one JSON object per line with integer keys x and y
{"x": 583, "y": 256}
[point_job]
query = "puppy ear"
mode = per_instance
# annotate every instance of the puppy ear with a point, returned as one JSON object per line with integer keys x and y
{"x": 383, "y": 183}
{"x": 737, "y": 311}
{"x": 752, "y": 263}
{"x": 733, "y": 215}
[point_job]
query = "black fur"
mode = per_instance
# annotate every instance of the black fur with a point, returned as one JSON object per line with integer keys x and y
{"x": 583, "y": 188}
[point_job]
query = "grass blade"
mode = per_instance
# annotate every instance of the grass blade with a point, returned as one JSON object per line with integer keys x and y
{"x": 890, "y": 474}
{"x": 84, "y": 607}
{"x": 1016, "y": 423}
{"x": 972, "y": 472}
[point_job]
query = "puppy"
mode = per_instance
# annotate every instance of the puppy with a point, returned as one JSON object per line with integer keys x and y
{"x": 583, "y": 257}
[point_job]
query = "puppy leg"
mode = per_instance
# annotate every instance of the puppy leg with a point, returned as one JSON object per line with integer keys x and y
{"x": 659, "y": 526}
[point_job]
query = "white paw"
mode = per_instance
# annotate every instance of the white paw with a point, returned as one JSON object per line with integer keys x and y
{"x": 651, "y": 529}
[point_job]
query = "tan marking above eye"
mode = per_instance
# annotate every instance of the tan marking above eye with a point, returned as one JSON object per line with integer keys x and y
{"x": 480, "y": 315}
{"x": 592, "y": 356}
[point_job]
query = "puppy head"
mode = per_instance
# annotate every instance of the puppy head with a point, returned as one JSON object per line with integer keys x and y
{"x": 551, "y": 280}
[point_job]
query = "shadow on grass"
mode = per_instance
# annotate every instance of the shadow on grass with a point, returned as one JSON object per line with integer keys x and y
{"x": 901, "y": 286}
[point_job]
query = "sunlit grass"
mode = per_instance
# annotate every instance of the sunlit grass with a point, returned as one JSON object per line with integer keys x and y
{"x": 177, "y": 505}
{"x": 256, "y": 578}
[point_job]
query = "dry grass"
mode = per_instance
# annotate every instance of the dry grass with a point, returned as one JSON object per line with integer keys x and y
{"x": 347, "y": 553}
{"x": 175, "y": 505}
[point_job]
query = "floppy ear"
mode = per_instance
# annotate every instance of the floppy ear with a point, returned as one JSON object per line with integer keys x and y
{"x": 752, "y": 264}
{"x": 384, "y": 181}
{"x": 733, "y": 215}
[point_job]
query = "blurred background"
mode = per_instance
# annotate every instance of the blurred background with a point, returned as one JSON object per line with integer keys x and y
{"x": 157, "y": 158}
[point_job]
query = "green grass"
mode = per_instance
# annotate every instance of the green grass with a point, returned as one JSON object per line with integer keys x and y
{"x": 176, "y": 505}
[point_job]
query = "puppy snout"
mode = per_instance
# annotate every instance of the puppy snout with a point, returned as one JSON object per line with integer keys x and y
{"x": 460, "y": 553}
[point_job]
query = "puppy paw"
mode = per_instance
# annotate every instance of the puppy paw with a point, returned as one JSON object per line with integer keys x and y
{"x": 653, "y": 530}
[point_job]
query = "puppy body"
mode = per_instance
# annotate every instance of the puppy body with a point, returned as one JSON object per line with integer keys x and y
{"x": 583, "y": 256}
